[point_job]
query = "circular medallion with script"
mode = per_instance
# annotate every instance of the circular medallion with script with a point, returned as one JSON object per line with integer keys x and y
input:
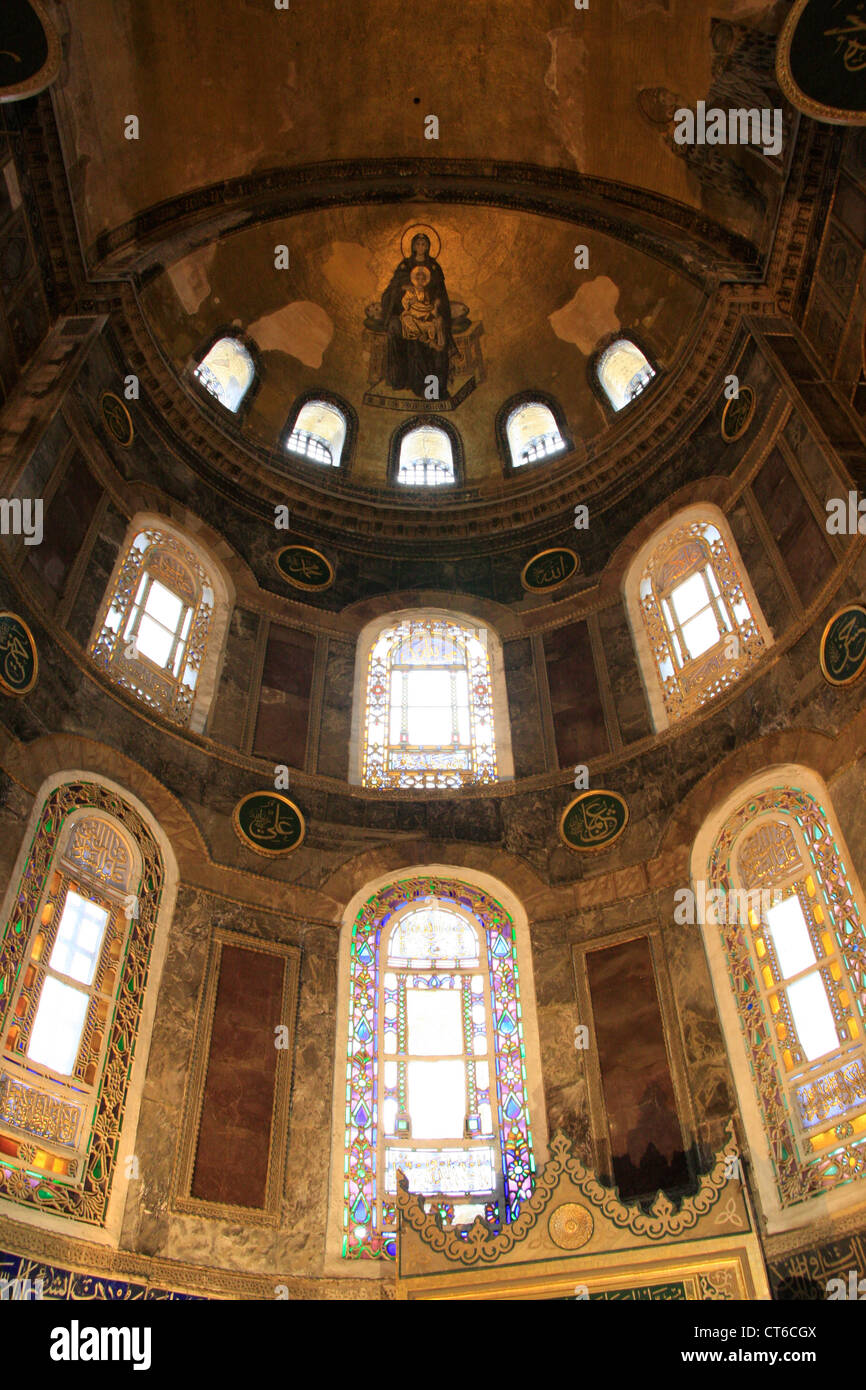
{"x": 19, "y": 662}
{"x": 593, "y": 820}
{"x": 305, "y": 568}
{"x": 118, "y": 420}
{"x": 548, "y": 569}
{"x": 268, "y": 823}
{"x": 737, "y": 414}
{"x": 843, "y": 645}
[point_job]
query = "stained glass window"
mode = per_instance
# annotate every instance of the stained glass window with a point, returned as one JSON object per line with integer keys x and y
{"x": 623, "y": 371}
{"x": 226, "y": 372}
{"x": 429, "y": 707}
{"x": 318, "y": 434}
{"x": 532, "y": 434}
{"x": 436, "y": 1075}
{"x": 795, "y": 947}
{"x": 701, "y": 629}
{"x": 73, "y": 969}
{"x": 426, "y": 458}
{"x": 153, "y": 632}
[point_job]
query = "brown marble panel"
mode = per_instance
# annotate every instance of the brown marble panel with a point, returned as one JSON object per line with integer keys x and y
{"x": 646, "y": 1139}
{"x": 235, "y": 1131}
{"x": 284, "y": 702}
{"x": 578, "y": 717}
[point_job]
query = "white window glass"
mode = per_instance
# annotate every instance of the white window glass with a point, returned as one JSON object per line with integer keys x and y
{"x": 701, "y": 633}
{"x": 56, "y": 1031}
{"x": 437, "y": 1099}
{"x": 79, "y": 938}
{"x": 689, "y": 597}
{"x": 532, "y": 434}
{"x": 791, "y": 939}
{"x": 434, "y": 1022}
{"x": 813, "y": 1018}
{"x": 226, "y": 372}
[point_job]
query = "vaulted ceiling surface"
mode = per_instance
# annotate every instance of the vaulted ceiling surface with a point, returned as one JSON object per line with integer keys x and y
{"x": 534, "y": 318}
{"x": 224, "y": 90}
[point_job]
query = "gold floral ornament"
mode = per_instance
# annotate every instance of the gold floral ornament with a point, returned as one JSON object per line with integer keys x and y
{"x": 570, "y": 1226}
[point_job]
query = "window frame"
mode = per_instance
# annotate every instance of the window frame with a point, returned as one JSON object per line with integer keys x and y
{"x": 283, "y": 457}
{"x": 610, "y": 412}
{"x": 506, "y": 410}
{"x": 207, "y": 397}
{"x": 426, "y": 492}
{"x": 791, "y": 1196}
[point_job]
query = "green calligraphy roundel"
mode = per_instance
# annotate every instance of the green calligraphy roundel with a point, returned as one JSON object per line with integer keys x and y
{"x": 305, "y": 568}
{"x": 19, "y": 662}
{"x": 269, "y": 823}
{"x": 549, "y": 569}
{"x": 593, "y": 820}
{"x": 843, "y": 645}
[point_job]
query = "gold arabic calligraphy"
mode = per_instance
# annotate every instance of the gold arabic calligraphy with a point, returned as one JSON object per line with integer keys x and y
{"x": 846, "y": 646}
{"x": 16, "y": 656}
{"x": 600, "y": 819}
{"x": 266, "y": 824}
{"x": 855, "y": 49}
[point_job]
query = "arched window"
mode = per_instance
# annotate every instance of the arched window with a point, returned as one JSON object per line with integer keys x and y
{"x": 436, "y": 1081}
{"x": 428, "y": 706}
{"x": 157, "y": 628}
{"x": 426, "y": 458}
{"x": 532, "y": 434}
{"x": 227, "y": 372}
{"x": 783, "y": 925}
{"x": 73, "y": 970}
{"x": 623, "y": 372}
{"x": 696, "y": 622}
{"x": 318, "y": 433}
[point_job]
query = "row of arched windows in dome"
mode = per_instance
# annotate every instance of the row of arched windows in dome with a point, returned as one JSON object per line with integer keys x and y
{"x": 437, "y": 1065}
{"x": 532, "y": 429}
{"x": 431, "y": 709}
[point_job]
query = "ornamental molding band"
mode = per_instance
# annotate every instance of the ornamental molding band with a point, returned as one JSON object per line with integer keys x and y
{"x": 813, "y": 1114}
{"x": 49, "y": 1160}
{"x": 574, "y": 1238}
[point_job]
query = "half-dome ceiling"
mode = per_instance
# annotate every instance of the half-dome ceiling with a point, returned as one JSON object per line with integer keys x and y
{"x": 542, "y": 83}
{"x": 523, "y": 316}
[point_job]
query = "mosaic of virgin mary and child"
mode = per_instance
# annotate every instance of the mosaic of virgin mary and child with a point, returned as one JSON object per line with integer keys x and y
{"x": 415, "y": 313}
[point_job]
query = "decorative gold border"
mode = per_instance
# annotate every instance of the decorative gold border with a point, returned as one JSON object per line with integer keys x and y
{"x": 796, "y": 96}
{"x": 38, "y": 81}
{"x": 191, "y": 1111}
{"x": 550, "y": 588}
{"x": 109, "y": 395}
{"x": 311, "y": 588}
{"x": 731, "y": 438}
{"x": 8, "y": 689}
{"x": 248, "y": 844}
{"x": 595, "y": 849}
{"x": 846, "y": 608}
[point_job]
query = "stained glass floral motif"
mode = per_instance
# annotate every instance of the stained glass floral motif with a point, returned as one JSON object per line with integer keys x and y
{"x": 436, "y": 1073}
{"x": 701, "y": 629}
{"x": 797, "y": 966}
{"x": 226, "y": 372}
{"x": 153, "y": 630}
{"x": 428, "y": 719}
